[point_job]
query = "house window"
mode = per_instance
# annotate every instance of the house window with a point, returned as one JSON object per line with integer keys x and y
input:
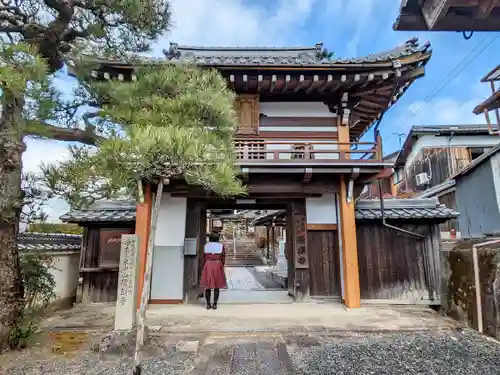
{"x": 476, "y": 152}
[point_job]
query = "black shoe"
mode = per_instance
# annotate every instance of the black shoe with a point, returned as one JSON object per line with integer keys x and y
{"x": 209, "y": 306}
{"x": 214, "y": 306}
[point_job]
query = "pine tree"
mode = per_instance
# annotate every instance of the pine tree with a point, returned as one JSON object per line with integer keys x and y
{"x": 35, "y": 35}
{"x": 175, "y": 121}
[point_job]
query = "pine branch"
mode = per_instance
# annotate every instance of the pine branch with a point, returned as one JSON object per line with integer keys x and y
{"x": 86, "y": 136}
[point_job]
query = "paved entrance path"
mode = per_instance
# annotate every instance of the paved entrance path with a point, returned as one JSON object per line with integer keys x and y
{"x": 278, "y": 339}
{"x": 241, "y": 278}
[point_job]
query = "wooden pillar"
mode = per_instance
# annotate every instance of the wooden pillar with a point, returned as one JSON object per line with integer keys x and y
{"x": 267, "y": 241}
{"x": 142, "y": 227}
{"x": 193, "y": 223}
{"x": 347, "y": 217}
{"x": 349, "y": 247}
{"x": 394, "y": 187}
{"x": 343, "y": 132}
{"x": 273, "y": 240}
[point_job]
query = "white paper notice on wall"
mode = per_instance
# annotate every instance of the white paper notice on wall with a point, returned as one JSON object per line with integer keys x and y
{"x": 321, "y": 210}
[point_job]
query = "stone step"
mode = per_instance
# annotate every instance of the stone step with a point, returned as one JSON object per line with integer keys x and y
{"x": 241, "y": 356}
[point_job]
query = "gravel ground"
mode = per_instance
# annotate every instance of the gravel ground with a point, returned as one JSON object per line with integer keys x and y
{"x": 444, "y": 352}
{"x": 465, "y": 353}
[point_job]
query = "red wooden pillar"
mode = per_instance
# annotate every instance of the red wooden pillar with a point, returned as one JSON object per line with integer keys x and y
{"x": 142, "y": 227}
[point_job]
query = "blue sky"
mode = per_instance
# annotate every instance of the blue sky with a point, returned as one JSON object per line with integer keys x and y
{"x": 349, "y": 28}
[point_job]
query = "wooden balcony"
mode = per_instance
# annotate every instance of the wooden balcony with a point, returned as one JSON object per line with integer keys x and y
{"x": 284, "y": 152}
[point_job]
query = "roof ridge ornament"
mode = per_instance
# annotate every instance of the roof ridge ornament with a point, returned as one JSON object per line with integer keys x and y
{"x": 173, "y": 51}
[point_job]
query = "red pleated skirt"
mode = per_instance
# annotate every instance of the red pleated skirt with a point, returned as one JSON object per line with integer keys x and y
{"x": 213, "y": 276}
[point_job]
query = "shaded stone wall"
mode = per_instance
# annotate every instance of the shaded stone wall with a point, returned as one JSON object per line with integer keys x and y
{"x": 459, "y": 292}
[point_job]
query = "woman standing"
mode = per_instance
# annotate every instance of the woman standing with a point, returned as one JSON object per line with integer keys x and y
{"x": 213, "y": 276}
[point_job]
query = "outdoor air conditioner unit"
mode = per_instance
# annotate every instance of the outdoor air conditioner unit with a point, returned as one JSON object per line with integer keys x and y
{"x": 422, "y": 179}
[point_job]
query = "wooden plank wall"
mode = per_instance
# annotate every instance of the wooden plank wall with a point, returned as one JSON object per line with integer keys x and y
{"x": 444, "y": 163}
{"x": 397, "y": 266}
{"x": 98, "y": 285}
{"x": 449, "y": 201}
{"x": 324, "y": 262}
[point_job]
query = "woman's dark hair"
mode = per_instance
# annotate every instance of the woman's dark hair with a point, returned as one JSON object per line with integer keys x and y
{"x": 214, "y": 237}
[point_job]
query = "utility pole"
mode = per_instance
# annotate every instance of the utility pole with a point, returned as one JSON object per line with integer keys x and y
{"x": 400, "y": 137}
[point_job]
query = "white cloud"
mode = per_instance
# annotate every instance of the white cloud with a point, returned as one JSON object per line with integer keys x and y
{"x": 441, "y": 111}
{"x": 40, "y": 151}
{"x": 237, "y": 23}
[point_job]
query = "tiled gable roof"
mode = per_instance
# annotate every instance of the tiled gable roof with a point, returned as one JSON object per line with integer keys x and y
{"x": 366, "y": 209}
{"x": 105, "y": 211}
{"x": 281, "y": 56}
{"x": 404, "y": 209}
{"x": 31, "y": 241}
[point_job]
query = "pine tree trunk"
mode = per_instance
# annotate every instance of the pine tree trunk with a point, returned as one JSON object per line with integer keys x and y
{"x": 11, "y": 149}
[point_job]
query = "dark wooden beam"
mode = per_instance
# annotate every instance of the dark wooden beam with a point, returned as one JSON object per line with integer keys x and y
{"x": 485, "y": 8}
{"x": 434, "y": 11}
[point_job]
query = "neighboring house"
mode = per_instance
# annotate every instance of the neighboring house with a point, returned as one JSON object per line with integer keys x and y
{"x": 431, "y": 155}
{"x": 478, "y": 195}
{"x": 492, "y": 104}
{"x": 388, "y": 187}
{"x": 448, "y": 15}
{"x": 63, "y": 253}
{"x": 301, "y": 117}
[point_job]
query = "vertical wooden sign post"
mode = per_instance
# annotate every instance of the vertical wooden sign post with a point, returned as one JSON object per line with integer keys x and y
{"x": 147, "y": 283}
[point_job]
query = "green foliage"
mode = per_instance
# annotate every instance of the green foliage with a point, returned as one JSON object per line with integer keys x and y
{"x": 25, "y": 84}
{"x": 55, "y": 228}
{"x": 20, "y": 334}
{"x": 109, "y": 27}
{"x": 39, "y": 287}
{"x": 177, "y": 121}
{"x": 38, "y": 282}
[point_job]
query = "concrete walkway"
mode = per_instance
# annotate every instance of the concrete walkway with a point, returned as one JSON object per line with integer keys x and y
{"x": 263, "y": 317}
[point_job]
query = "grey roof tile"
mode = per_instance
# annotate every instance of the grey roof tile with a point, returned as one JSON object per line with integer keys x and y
{"x": 367, "y": 209}
{"x": 104, "y": 211}
{"x": 48, "y": 242}
{"x": 404, "y": 209}
{"x": 281, "y": 56}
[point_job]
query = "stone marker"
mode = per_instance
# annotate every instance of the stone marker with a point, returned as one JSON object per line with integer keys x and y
{"x": 127, "y": 283}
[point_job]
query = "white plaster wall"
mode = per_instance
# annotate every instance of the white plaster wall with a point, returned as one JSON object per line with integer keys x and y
{"x": 429, "y": 141}
{"x": 171, "y": 226}
{"x": 288, "y": 146}
{"x": 322, "y": 210}
{"x": 495, "y": 167}
{"x": 64, "y": 268}
{"x": 295, "y": 109}
{"x": 168, "y": 255}
{"x": 329, "y": 129}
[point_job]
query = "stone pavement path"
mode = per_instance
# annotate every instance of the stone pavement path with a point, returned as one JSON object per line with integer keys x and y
{"x": 395, "y": 353}
{"x": 241, "y": 278}
{"x": 425, "y": 352}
